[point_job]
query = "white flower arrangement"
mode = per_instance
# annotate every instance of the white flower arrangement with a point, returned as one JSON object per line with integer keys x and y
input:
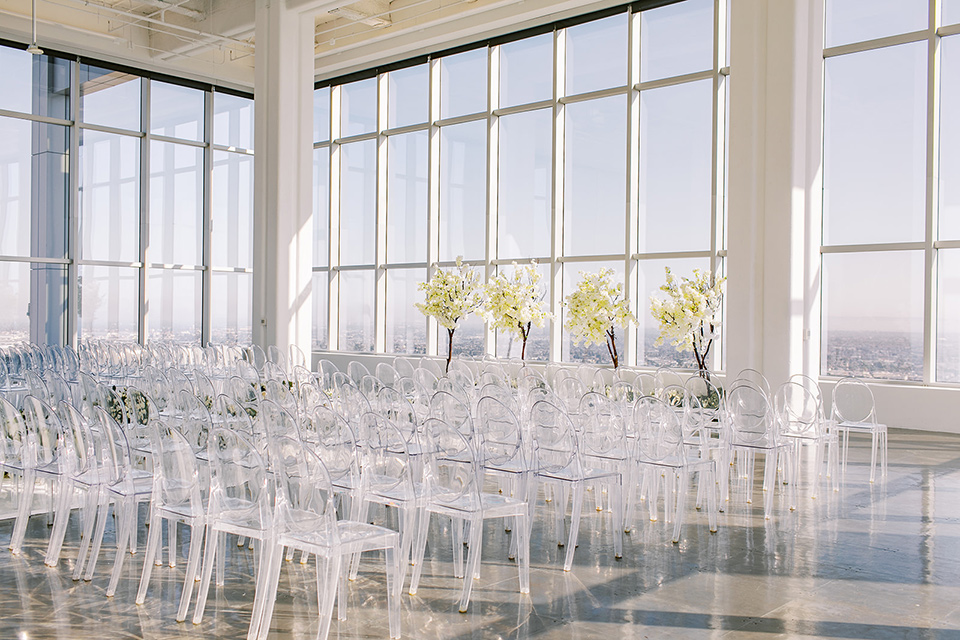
{"x": 515, "y": 304}
{"x": 688, "y": 316}
{"x": 595, "y": 309}
{"x": 451, "y": 296}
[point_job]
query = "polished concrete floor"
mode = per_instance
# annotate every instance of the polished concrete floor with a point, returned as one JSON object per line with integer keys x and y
{"x": 870, "y": 561}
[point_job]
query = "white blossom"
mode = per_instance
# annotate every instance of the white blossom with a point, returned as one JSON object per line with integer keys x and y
{"x": 688, "y": 315}
{"x": 595, "y": 308}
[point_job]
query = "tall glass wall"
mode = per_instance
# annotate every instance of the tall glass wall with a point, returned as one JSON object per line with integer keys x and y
{"x": 599, "y": 144}
{"x": 891, "y": 235}
{"x": 125, "y": 206}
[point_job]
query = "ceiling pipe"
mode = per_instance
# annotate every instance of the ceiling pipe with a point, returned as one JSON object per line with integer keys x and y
{"x": 33, "y": 48}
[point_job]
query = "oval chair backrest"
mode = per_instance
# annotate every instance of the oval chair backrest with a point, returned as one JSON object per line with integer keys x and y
{"x": 555, "y": 445}
{"x": 602, "y": 428}
{"x": 238, "y": 481}
{"x": 386, "y": 374}
{"x": 570, "y": 390}
{"x": 452, "y": 410}
{"x": 451, "y": 472}
{"x": 356, "y": 371}
{"x": 305, "y": 506}
{"x": 748, "y": 416}
{"x": 13, "y": 435}
{"x": 501, "y": 440}
{"x": 504, "y": 394}
{"x": 329, "y": 435}
{"x": 385, "y": 455}
{"x": 45, "y": 432}
{"x": 658, "y": 428}
{"x": 797, "y": 410}
{"x": 176, "y": 481}
{"x": 853, "y": 402}
{"x": 757, "y": 378}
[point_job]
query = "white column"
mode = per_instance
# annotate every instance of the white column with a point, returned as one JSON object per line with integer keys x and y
{"x": 282, "y": 311}
{"x": 773, "y": 200}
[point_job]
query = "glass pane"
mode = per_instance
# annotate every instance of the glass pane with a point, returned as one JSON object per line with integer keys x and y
{"x": 406, "y": 326}
{"x": 356, "y": 310}
{"x": 321, "y": 207}
{"x": 231, "y": 210}
{"x": 321, "y": 320}
{"x": 34, "y": 188}
{"x": 468, "y": 340}
{"x": 321, "y": 114}
{"x": 176, "y": 203}
{"x": 595, "y": 353}
{"x": 408, "y": 96}
{"x": 35, "y": 84}
{"x": 526, "y": 70}
{"x": 176, "y": 111}
{"x": 463, "y": 83}
{"x": 463, "y": 190}
{"x": 109, "y": 98}
{"x": 676, "y": 148}
{"x": 358, "y": 202}
{"x": 407, "y": 198}
{"x": 48, "y": 305}
{"x": 15, "y": 293}
{"x": 525, "y": 199}
{"x": 231, "y": 310}
{"x": 858, "y": 20}
{"x": 174, "y": 311}
{"x": 650, "y": 276}
{"x": 873, "y": 315}
{"x": 595, "y": 179}
{"x": 950, "y": 12}
{"x": 874, "y": 153}
{"x": 109, "y": 302}
{"x": 676, "y": 39}
{"x": 232, "y": 121}
{"x": 510, "y": 345}
{"x": 597, "y": 55}
{"x": 948, "y": 312}
{"x": 109, "y": 196}
{"x": 358, "y": 102}
{"x": 950, "y": 138}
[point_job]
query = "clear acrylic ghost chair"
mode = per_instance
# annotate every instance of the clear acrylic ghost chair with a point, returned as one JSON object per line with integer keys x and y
{"x": 453, "y": 487}
{"x": 855, "y": 411}
{"x": 325, "y": 371}
{"x": 175, "y": 497}
{"x": 661, "y": 450}
{"x": 645, "y": 384}
{"x": 282, "y": 393}
{"x": 306, "y": 520}
{"x": 603, "y": 436}
{"x": 427, "y": 379}
{"x": 297, "y": 358}
{"x": 503, "y": 394}
{"x": 240, "y": 503}
{"x": 558, "y": 459}
{"x": 370, "y": 386}
{"x": 416, "y": 395}
{"x": 82, "y": 473}
{"x": 349, "y": 402}
{"x": 272, "y": 371}
{"x": 504, "y": 452}
{"x": 434, "y": 365}
{"x": 801, "y": 419}
{"x": 48, "y": 456}
{"x": 812, "y": 386}
{"x": 750, "y": 427}
{"x": 126, "y": 487}
{"x": 19, "y": 457}
{"x": 387, "y": 477}
{"x": 335, "y": 442}
{"x": 275, "y": 356}
{"x": 454, "y": 388}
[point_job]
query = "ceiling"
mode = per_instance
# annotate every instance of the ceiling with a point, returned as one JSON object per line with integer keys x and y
{"x": 214, "y": 40}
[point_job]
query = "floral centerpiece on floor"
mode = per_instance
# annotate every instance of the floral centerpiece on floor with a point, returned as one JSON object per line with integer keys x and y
{"x": 515, "y": 304}
{"x": 451, "y": 296}
{"x": 688, "y": 315}
{"x": 595, "y": 309}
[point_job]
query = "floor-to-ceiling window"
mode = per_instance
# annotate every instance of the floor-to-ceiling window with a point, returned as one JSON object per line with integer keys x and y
{"x": 891, "y": 205}
{"x": 126, "y": 205}
{"x": 598, "y": 142}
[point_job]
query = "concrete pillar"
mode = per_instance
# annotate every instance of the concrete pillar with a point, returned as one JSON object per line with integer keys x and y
{"x": 283, "y": 157}
{"x": 774, "y": 176}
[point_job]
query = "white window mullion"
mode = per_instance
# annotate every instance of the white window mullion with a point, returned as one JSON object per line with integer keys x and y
{"x": 556, "y": 246}
{"x": 433, "y": 182}
{"x": 493, "y": 181}
{"x": 932, "y": 198}
{"x": 718, "y": 165}
{"x": 631, "y": 339}
{"x": 380, "y": 301}
{"x": 333, "y": 304}
{"x": 143, "y": 324}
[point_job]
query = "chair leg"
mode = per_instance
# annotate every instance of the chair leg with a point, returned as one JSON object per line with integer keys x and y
{"x": 23, "y": 512}
{"x": 681, "y": 503}
{"x": 127, "y": 526}
{"x": 103, "y": 510}
{"x": 193, "y": 565}
{"x": 473, "y": 560}
{"x": 61, "y": 517}
{"x": 209, "y": 558}
{"x": 394, "y": 586}
{"x": 769, "y": 477}
{"x": 574, "y": 525}
{"x": 328, "y": 573}
{"x": 706, "y": 478}
{"x": 153, "y": 542}
{"x": 419, "y": 551}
